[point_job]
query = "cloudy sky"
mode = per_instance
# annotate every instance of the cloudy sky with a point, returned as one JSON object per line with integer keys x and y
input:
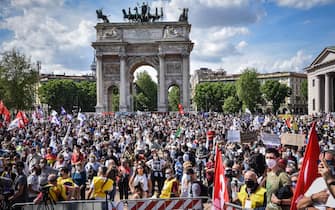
{"x": 269, "y": 35}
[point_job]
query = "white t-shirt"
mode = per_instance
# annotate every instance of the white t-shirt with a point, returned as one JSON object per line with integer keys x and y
{"x": 143, "y": 180}
{"x": 318, "y": 185}
{"x": 33, "y": 181}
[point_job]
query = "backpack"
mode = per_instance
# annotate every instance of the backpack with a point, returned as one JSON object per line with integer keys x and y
{"x": 203, "y": 192}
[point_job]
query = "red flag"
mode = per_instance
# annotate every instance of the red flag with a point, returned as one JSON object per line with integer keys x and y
{"x": 220, "y": 193}
{"x": 1, "y": 107}
{"x": 288, "y": 122}
{"x": 309, "y": 168}
{"x": 181, "y": 109}
{"x": 23, "y": 120}
{"x": 4, "y": 111}
{"x": 7, "y": 114}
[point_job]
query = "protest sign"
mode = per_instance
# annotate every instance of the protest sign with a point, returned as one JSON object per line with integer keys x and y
{"x": 270, "y": 139}
{"x": 293, "y": 139}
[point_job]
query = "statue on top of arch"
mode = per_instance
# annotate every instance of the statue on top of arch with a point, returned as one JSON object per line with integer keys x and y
{"x": 144, "y": 16}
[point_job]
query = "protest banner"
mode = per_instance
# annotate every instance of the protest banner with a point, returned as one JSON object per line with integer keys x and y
{"x": 248, "y": 137}
{"x": 293, "y": 139}
{"x": 233, "y": 136}
{"x": 270, "y": 139}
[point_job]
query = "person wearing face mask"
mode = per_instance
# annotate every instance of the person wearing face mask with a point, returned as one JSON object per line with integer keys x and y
{"x": 92, "y": 164}
{"x": 33, "y": 183}
{"x": 170, "y": 188}
{"x": 156, "y": 165}
{"x": 251, "y": 195}
{"x": 276, "y": 179}
{"x": 45, "y": 172}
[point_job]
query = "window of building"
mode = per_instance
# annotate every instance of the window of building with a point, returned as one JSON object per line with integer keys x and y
{"x": 313, "y": 82}
{"x": 313, "y": 103}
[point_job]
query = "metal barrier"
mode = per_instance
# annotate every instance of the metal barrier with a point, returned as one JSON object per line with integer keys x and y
{"x": 232, "y": 206}
{"x": 168, "y": 204}
{"x": 140, "y": 204}
{"x": 73, "y": 205}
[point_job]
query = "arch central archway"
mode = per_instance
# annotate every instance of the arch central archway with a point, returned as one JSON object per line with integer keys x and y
{"x": 122, "y": 47}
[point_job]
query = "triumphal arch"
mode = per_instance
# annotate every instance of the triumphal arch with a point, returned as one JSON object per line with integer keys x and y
{"x": 142, "y": 40}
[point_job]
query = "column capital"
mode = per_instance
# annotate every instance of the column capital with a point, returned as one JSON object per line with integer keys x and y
{"x": 185, "y": 54}
{"x": 161, "y": 55}
{"x": 98, "y": 55}
{"x": 122, "y": 55}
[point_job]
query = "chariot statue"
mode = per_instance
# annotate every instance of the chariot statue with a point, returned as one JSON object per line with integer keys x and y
{"x": 100, "y": 15}
{"x": 144, "y": 16}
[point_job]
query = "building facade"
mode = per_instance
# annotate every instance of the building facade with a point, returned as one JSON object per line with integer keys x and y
{"x": 294, "y": 104}
{"x": 321, "y": 74}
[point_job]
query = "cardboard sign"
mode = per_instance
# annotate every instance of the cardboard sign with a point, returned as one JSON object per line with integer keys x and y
{"x": 293, "y": 139}
{"x": 248, "y": 137}
{"x": 270, "y": 139}
{"x": 233, "y": 136}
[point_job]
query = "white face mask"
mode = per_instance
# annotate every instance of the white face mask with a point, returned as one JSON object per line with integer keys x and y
{"x": 271, "y": 163}
{"x": 188, "y": 177}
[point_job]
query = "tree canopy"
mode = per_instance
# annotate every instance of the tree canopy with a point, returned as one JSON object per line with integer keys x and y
{"x": 210, "y": 96}
{"x": 146, "y": 93}
{"x": 174, "y": 98}
{"x": 275, "y": 92}
{"x": 69, "y": 94}
{"x": 248, "y": 89}
{"x": 18, "y": 80}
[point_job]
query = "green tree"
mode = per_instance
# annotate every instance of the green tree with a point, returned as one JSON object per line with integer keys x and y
{"x": 304, "y": 90}
{"x": 67, "y": 93}
{"x": 210, "y": 96}
{"x": 146, "y": 92}
{"x": 231, "y": 105}
{"x": 174, "y": 98}
{"x": 59, "y": 93}
{"x": 248, "y": 89}
{"x": 87, "y": 95}
{"x": 275, "y": 92}
{"x": 18, "y": 80}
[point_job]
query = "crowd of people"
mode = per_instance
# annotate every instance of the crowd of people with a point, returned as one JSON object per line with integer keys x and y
{"x": 161, "y": 155}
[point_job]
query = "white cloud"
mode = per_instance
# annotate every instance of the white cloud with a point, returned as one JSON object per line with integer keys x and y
{"x": 296, "y": 63}
{"x": 303, "y": 4}
{"x": 214, "y": 43}
{"x": 208, "y": 13}
{"x": 39, "y": 33}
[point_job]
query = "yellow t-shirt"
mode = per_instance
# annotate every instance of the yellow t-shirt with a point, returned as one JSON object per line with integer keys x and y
{"x": 100, "y": 186}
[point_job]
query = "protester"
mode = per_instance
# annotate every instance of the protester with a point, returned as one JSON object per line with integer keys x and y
{"x": 318, "y": 194}
{"x": 277, "y": 179}
{"x": 251, "y": 194}
{"x": 137, "y": 142}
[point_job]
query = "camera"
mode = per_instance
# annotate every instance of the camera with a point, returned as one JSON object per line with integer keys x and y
{"x": 229, "y": 173}
{"x": 45, "y": 188}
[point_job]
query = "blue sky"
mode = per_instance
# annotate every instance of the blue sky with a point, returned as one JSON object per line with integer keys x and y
{"x": 269, "y": 35}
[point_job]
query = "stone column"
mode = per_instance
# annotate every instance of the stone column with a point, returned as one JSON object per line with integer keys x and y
{"x": 162, "y": 98}
{"x": 317, "y": 94}
{"x": 331, "y": 100}
{"x": 99, "y": 107}
{"x": 123, "y": 84}
{"x": 186, "y": 81}
{"x": 327, "y": 92}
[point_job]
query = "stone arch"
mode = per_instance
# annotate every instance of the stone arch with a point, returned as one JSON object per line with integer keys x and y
{"x": 117, "y": 57}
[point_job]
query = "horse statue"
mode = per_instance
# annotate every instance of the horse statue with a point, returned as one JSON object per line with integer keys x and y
{"x": 144, "y": 16}
{"x": 184, "y": 15}
{"x": 100, "y": 15}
